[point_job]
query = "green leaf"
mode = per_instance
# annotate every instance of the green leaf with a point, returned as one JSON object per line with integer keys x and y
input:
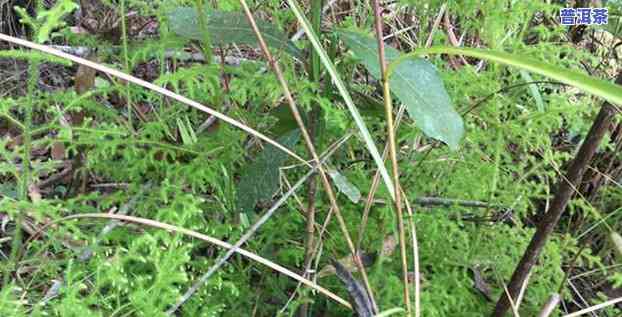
{"x": 188, "y": 136}
{"x": 260, "y": 179}
{"x": 533, "y": 90}
{"x": 417, "y": 84}
{"x": 601, "y": 88}
{"x": 344, "y": 185}
{"x": 286, "y": 121}
{"x": 227, "y": 28}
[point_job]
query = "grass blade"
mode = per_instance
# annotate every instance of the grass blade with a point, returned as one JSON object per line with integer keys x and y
{"x": 328, "y": 64}
{"x": 602, "y": 88}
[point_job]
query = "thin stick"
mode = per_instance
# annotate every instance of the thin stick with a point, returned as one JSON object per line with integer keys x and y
{"x": 310, "y": 147}
{"x": 413, "y": 234}
{"x": 313, "y": 118}
{"x": 595, "y": 307}
{"x": 126, "y": 65}
{"x": 251, "y": 231}
{"x": 388, "y": 106}
{"x": 316, "y": 251}
{"x": 374, "y": 185}
{"x": 206, "y": 238}
{"x": 437, "y": 22}
{"x": 148, "y": 85}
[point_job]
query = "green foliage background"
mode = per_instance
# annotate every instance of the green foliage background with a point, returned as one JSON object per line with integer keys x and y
{"x": 510, "y": 156}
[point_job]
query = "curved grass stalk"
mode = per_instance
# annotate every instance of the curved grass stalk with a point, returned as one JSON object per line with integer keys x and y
{"x": 150, "y": 86}
{"x": 598, "y": 87}
{"x": 358, "y": 120}
{"x": 206, "y": 238}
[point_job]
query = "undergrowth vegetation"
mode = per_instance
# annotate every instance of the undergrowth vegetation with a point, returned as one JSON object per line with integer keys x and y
{"x": 480, "y": 147}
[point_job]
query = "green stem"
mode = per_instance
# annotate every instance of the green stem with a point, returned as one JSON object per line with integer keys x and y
{"x": 316, "y": 22}
{"x": 24, "y": 181}
{"x": 206, "y": 44}
{"x": 314, "y": 116}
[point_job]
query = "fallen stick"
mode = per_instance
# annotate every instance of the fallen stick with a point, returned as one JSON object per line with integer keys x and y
{"x": 565, "y": 190}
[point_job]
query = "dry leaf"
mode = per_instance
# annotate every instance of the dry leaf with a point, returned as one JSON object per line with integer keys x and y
{"x": 58, "y": 151}
{"x": 85, "y": 77}
{"x": 34, "y": 193}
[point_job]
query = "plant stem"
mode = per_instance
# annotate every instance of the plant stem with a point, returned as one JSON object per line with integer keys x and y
{"x": 311, "y": 148}
{"x": 206, "y": 43}
{"x": 314, "y": 115}
{"x": 316, "y": 21}
{"x": 565, "y": 190}
{"x": 33, "y": 71}
{"x": 388, "y": 106}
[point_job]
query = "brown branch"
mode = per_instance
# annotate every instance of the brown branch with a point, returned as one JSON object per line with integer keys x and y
{"x": 564, "y": 193}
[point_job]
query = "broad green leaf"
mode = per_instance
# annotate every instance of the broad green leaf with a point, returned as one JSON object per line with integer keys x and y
{"x": 341, "y": 87}
{"x": 417, "y": 84}
{"x": 344, "y": 185}
{"x": 601, "y": 88}
{"x": 227, "y": 28}
{"x": 260, "y": 179}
